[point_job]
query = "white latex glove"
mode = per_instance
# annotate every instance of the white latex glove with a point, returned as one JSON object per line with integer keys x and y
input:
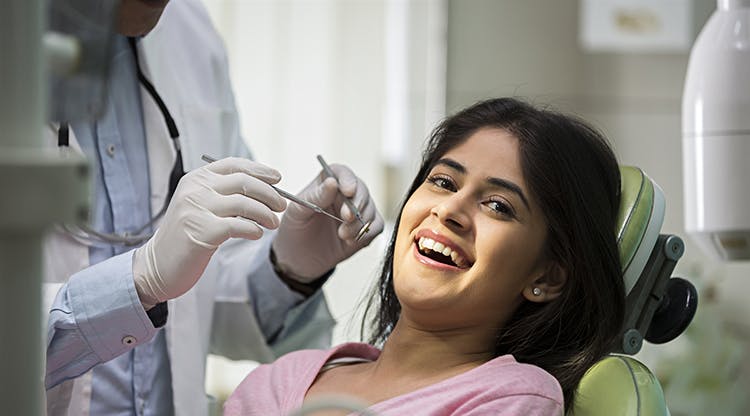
{"x": 310, "y": 244}
{"x": 227, "y": 198}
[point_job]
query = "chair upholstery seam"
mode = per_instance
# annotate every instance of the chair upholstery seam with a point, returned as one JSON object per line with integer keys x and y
{"x": 629, "y": 218}
{"x": 635, "y": 384}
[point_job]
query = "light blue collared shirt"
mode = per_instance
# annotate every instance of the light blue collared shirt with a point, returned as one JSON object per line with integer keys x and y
{"x": 137, "y": 382}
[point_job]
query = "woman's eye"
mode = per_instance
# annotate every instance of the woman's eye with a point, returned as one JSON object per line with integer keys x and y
{"x": 442, "y": 182}
{"x": 500, "y": 207}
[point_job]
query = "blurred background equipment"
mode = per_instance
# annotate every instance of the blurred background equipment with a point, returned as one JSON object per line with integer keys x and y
{"x": 41, "y": 184}
{"x": 716, "y": 134}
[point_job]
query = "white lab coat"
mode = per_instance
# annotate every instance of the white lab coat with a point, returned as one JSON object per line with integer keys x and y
{"x": 185, "y": 59}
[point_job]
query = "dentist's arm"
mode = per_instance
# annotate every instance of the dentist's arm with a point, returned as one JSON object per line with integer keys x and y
{"x": 101, "y": 312}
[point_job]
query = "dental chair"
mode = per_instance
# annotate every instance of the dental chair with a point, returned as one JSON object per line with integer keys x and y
{"x": 658, "y": 307}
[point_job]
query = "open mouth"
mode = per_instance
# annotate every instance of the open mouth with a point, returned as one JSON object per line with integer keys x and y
{"x": 441, "y": 253}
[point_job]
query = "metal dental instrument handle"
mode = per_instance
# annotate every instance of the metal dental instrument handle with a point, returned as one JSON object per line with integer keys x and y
{"x": 290, "y": 197}
{"x": 304, "y": 203}
{"x": 365, "y": 226}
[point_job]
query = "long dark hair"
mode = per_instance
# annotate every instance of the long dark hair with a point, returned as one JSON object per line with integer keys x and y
{"x": 573, "y": 173}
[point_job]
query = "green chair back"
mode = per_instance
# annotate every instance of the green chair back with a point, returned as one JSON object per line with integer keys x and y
{"x": 619, "y": 385}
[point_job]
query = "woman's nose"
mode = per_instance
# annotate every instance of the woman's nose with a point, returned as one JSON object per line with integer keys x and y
{"x": 453, "y": 211}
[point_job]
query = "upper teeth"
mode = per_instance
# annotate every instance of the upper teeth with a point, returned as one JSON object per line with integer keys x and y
{"x": 425, "y": 243}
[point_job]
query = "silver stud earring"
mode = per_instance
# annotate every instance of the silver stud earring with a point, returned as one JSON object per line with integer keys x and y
{"x": 536, "y": 291}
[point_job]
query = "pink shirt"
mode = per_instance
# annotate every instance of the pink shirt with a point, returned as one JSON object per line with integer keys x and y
{"x": 501, "y": 386}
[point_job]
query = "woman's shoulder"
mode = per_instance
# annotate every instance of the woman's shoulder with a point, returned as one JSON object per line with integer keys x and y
{"x": 280, "y": 387}
{"x": 501, "y": 386}
{"x": 510, "y": 377}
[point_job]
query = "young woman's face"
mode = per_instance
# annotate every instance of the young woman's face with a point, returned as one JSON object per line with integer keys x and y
{"x": 476, "y": 209}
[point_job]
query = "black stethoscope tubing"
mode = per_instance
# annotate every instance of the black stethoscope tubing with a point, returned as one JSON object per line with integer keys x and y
{"x": 90, "y": 236}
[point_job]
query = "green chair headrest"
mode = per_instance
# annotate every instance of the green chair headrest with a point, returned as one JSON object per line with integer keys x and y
{"x": 638, "y": 222}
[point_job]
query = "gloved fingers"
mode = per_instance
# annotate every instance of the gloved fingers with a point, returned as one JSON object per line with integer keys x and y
{"x": 360, "y": 199}
{"x": 231, "y": 165}
{"x": 249, "y": 186}
{"x": 236, "y": 205}
{"x": 322, "y": 194}
{"x": 342, "y": 210}
{"x": 239, "y": 227}
{"x": 349, "y": 230}
{"x": 376, "y": 223}
{"x": 348, "y": 181}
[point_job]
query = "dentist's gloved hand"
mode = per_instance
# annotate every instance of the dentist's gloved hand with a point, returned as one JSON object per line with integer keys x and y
{"x": 309, "y": 244}
{"x": 228, "y": 198}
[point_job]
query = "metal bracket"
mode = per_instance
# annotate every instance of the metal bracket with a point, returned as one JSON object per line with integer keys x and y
{"x": 647, "y": 294}
{"x": 41, "y": 187}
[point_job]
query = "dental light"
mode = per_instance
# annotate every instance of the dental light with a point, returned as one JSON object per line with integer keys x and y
{"x": 716, "y": 134}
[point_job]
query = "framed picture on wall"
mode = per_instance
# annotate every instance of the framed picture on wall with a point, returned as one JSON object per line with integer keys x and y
{"x": 635, "y": 25}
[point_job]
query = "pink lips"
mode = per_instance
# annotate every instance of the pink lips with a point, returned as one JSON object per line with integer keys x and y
{"x": 443, "y": 240}
{"x": 432, "y": 263}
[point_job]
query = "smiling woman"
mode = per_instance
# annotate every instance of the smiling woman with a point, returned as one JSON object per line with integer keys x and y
{"x": 473, "y": 202}
{"x": 500, "y": 287}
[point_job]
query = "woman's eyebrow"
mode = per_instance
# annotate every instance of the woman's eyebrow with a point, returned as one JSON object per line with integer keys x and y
{"x": 496, "y": 182}
{"x": 506, "y": 184}
{"x": 451, "y": 164}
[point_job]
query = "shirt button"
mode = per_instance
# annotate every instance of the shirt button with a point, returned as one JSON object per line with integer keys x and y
{"x": 128, "y": 340}
{"x": 111, "y": 150}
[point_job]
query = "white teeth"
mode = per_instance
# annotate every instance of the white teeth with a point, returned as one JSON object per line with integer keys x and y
{"x": 425, "y": 243}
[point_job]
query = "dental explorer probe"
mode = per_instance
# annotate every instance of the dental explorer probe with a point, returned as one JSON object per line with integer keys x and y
{"x": 290, "y": 197}
{"x": 365, "y": 226}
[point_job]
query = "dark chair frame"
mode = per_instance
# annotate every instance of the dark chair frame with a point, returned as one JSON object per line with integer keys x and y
{"x": 659, "y": 307}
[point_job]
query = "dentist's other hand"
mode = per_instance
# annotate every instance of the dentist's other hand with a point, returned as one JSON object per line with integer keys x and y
{"x": 309, "y": 244}
{"x": 228, "y": 198}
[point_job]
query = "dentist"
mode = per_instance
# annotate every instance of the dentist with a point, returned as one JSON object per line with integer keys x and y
{"x": 158, "y": 281}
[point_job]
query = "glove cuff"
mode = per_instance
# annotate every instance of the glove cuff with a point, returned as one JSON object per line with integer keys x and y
{"x": 143, "y": 285}
{"x": 293, "y": 281}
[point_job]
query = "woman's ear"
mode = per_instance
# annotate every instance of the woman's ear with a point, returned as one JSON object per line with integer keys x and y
{"x": 548, "y": 286}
